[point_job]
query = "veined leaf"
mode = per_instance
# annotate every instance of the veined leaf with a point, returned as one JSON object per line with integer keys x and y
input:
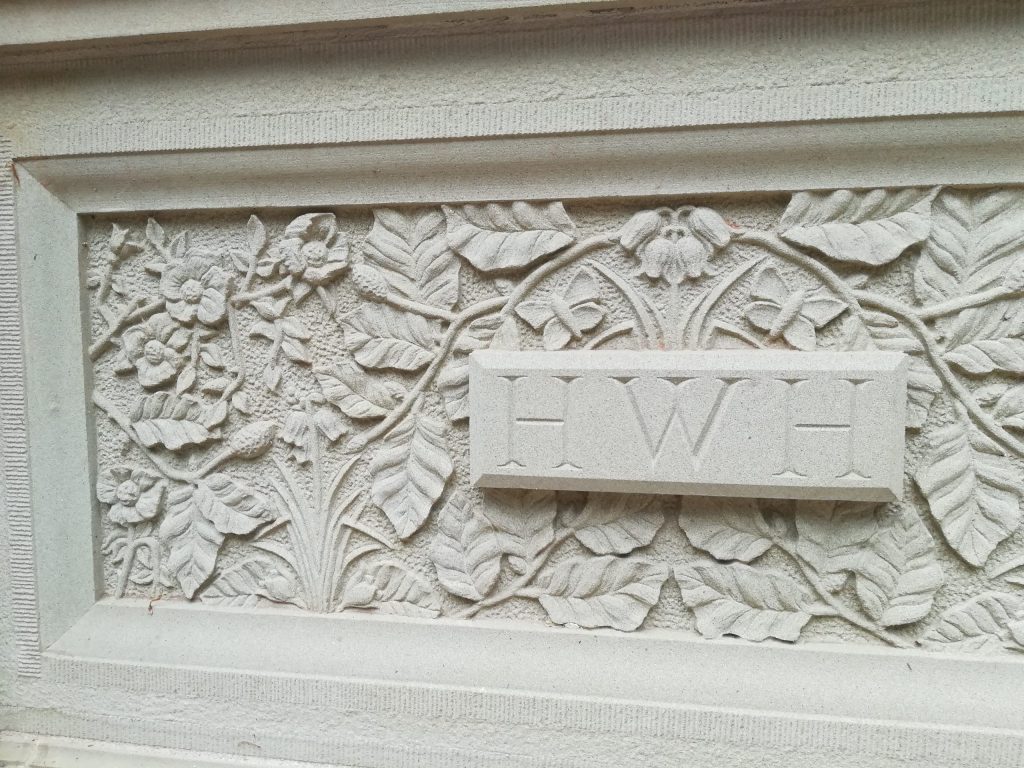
{"x": 862, "y": 227}
{"x": 1005, "y": 355}
{"x": 602, "y": 591}
{"x": 465, "y": 550}
{"x": 500, "y": 236}
{"x": 898, "y": 572}
{"x": 972, "y": 491}
{"x": 171, "y": 421}
{"x": 736, "y": 599}
{"x": 382, "y": 337}
{"x": 409, "y": 472}
{"x": 727, "y": 529}
{"x": 389, "y": 586}
{"x": 231, "y": 506}
{"x": 354, "y": 393}
{"x": 983, "y": 622}
{"x": 831, "y": 536}
{"x": 524, "y": 522}
{"x": 413, "y": 254}
{"x": 192, "y": 540}
{"x": 617, "y": 523}
{"x": 972, "y": 237}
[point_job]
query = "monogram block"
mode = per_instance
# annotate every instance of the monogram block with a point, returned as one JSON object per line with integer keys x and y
{"x": 766, "y": 424}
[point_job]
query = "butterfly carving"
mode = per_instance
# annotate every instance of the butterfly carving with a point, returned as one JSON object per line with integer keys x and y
{"x": 568, "y": 315}
{"x": 794, "y": 316}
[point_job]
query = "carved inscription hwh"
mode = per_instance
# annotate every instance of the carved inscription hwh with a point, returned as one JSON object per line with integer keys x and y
{"x": 763, "y": 424}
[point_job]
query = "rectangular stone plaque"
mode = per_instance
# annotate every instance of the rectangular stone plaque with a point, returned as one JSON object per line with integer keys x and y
{"x": 802, "y": 425}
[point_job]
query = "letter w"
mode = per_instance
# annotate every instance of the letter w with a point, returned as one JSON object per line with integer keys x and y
{"x": 657, "y": 438}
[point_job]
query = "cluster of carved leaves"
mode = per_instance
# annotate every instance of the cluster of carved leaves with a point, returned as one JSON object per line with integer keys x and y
{"x": 393, "y": 398}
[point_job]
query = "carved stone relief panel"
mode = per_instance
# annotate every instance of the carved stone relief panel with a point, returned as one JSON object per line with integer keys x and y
{"x": 282, "y": 400}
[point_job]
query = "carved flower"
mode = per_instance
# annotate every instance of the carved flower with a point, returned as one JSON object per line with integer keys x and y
{"x": 312, "y": 252}
{"x": 133, "y": 495}
{"x": 195, "y": 288}
{"x": 675, "y": 245}
{"x": 154, "y": 349}
{"x": 302, "y": 421}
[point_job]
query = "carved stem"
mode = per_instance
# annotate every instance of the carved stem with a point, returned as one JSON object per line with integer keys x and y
{"x": 567, "y": 257}
{"x": 419, "y": 308}
{"x": 281, "y": 285}
{"x": 512, "y": 589}
{"x": 131, "y": 548}
{"x": 358, "y": 442}
{"x": 903, "y": 313}
{"x": 236, "y": 352}
{"x": 101, "y": 402}
{"x": 906, "y": 315}
{"x": 932, "y": 311}
{"x": 841, "y": 610}
{"x": 125, "y": 319}
{"x": 619, "y": 329}
{"x": 779, "y": 247}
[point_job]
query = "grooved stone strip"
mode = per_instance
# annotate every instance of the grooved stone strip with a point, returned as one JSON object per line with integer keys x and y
{"x": 519, "y": 711}
{"x": 797, "y": 104}
{"x": 15, "y": 434}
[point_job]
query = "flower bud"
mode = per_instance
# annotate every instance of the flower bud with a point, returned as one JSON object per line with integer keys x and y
{"x": 710, "y": 227}
{"x": 369, "y": 281}
{"x": 640, "y": 228}
{"x": 253, "y": 440}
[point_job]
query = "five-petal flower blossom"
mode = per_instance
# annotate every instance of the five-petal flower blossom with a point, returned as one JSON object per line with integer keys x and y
{"x": 134, "y": 495}
{"x": 195, "y": 288}
{"x": 313, "y": 252}
{"x": 155, "y": 349}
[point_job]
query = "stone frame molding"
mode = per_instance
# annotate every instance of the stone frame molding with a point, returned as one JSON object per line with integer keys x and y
{"x": 803, "y": 699}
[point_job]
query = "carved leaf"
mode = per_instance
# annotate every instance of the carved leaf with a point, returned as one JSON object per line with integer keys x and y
{"x": 971, "y": 237}
{"x": 354, "y": 393}
{"x": 242, "y": 585}
{"x": 898, "y": 572}
{"x": 255, "y": 235}
{"x": 981, "y": 623}
{"x": 1009, "y": 408}
{"x": 412, "y": 252}
{"x": 736, "y": 599}
{"x": 1005, "y": 355}
{"x": 502, "y": 236}
{"x": 390, "y": 587}
{"x": 617, "y": 523}
{"x": 727, "y": 529}
{"x": 524, "y": 522}
{"x": 409, "y": 472}
{"x": 382, "y": 337}
{"x": 453, "y": 381}
{"x": 465, "y": 550}
{"x": 1001, "y": 319}
{"x": 479, "y": 334}
{"x": 453, "y": 384}
{"x": 193, "y": 541}
{"x": 971, "y": 490}
{"x": 169, "y": 420}
{"x": 923, "y": 383}
{"x": 602, "y": 591}
{"x": 864, "y": 227}
{"x": 230, "y": 506}
{"x": 831, "y": 536}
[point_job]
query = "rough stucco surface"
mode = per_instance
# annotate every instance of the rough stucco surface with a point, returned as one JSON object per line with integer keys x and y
{"x": 535, "y": 76}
